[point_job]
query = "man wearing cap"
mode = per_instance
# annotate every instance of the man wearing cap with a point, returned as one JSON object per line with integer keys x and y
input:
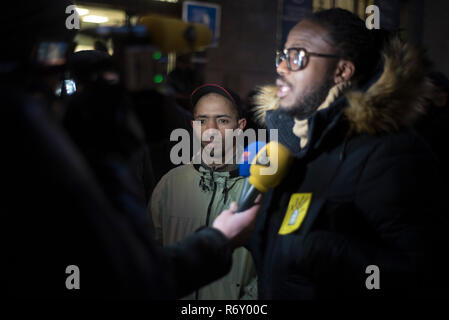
{"x": 192, "y": 195}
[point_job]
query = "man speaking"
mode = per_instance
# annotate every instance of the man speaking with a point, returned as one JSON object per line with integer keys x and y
{"x": 359, "y": 214}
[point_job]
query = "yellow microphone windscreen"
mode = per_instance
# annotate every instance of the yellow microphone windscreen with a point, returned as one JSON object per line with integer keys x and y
{"x": 269, "y": 166}
{"x": 169, "y": 34}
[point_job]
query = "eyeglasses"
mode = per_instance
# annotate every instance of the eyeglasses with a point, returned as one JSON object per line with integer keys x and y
{"x": 297, "y": 58}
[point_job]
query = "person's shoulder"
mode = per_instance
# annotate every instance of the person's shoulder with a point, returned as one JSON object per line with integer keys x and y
{"x": 175, "y": 177}
{"x": 182, "y": 169}
{"x": 402, "y": 145}
{"x": 179, "y": 173}
{"x": 403, "y": 142}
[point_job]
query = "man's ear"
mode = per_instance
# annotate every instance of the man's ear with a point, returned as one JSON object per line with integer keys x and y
{"x": 345, "y": 71}
{"x": 242, "y": 123}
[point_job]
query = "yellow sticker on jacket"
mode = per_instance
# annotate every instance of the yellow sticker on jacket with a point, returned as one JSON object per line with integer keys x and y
{"x": 296, "y": 212}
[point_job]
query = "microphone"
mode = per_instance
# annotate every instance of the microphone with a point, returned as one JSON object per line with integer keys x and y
{"x": 168, "y": 34}
{"x": 171, "y": 34}
{"x": 248, "y": 155}
{"x": 267, "y": 170}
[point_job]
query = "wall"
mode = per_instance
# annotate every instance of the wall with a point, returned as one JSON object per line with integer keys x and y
{"x": 245, "y": 56}
{"x": 435, "y": 33}
{"x": 246, "y": 52}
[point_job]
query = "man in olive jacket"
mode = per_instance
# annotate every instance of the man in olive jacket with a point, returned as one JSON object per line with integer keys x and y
{"x": 360, "y": 213}
{"x": 193, "y": 195}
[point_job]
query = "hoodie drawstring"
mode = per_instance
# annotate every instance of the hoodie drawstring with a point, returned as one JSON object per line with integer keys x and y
{"x": 203, "y": 184}
{"x": 225, "y": 189}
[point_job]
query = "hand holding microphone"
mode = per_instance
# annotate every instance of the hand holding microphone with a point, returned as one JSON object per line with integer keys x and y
{"x": 269, "y": 164}
{"x": 236, "y": 227}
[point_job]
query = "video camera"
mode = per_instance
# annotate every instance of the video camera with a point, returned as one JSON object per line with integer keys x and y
{"x": 138, "y": 48}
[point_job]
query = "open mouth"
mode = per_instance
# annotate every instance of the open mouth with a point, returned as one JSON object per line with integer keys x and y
{"x": 283, "y": 89}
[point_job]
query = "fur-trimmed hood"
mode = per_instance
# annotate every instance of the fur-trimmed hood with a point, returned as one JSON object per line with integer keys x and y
{"x": 395, "y": 99}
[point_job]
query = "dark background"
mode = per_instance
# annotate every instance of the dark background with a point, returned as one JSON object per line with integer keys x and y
{"x": 251, "y": 31}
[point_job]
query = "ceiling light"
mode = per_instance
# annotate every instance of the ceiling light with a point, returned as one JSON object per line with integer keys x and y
{"x": 82, "y": 11}
{"x": 95, "y": 19}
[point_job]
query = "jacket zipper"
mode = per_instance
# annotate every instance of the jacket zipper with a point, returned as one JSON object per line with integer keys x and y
{"x": 209, "y": 208}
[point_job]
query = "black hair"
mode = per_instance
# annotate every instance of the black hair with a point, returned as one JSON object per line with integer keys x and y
{"x": 354, "y": 41}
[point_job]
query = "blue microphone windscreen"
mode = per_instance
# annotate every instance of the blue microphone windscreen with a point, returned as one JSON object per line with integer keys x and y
{"x": 248, "y": 155}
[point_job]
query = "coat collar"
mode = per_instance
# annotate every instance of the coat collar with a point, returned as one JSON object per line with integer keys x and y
{"x": 229, "y": 171}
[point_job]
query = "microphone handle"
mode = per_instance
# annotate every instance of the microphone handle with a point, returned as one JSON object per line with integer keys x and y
{"x": 245, "y": 188}
{"x": 247, "y": 198}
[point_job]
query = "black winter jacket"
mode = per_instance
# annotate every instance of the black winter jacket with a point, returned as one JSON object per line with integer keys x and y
{"x": 364, "y": 192}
